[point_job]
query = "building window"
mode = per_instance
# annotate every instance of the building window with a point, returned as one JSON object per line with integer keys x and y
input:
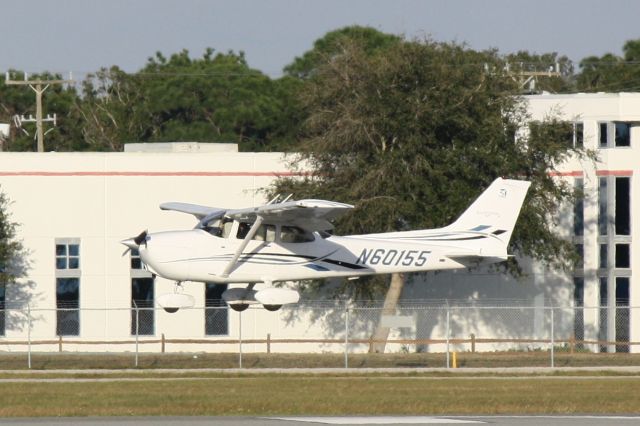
{"x": 623, "y": 208}
{"x": 2, "y": 311}
{"x": 623, "y": 257}
{"x": 68, "y": 305}
{"x": 622, "y": 313}
{"x": 67, "y": 255}
{"x": 622, "y": 134}
{"x": 578, "y": 303}
{"x": 578, "y": 134}
{"x": 136, "y": 261}
{"x": 67, "y": 286}
{"x": 580, "y": 253}
{"x": 603, "y": 219}
{"x": 603, "y": 256}
{"x": 142, "y": 304}
{"x": 578, "y": 208}
{"x": 216, "y": 319}
{"x": 604, "y": 135}
{"x": 615, "y": 134}
{"x": 603, "y": 322}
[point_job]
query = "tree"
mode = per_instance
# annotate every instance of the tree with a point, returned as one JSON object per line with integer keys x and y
{"x": 13, "y": 263}
{"x": 370, "y": 40}
{"x": 411, "y": 134}
{"x": 216, "y": 98}
{"x": 611, "y": 73}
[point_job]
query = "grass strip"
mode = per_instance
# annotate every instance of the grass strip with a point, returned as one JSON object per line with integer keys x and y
{"x": 326, "y": 395}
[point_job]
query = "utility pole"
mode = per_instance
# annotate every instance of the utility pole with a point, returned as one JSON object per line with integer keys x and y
{"x": 38, "y": 86}
{"x": 524, "y": 78}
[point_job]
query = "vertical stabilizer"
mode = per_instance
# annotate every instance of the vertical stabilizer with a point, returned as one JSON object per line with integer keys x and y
{"x": 495, "y": 210}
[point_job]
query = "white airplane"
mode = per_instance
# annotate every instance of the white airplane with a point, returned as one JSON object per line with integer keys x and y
{"x": 290, "y": 241}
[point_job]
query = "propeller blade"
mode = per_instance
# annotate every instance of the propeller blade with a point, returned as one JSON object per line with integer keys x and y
{"x": 142, "y": 238}
{"x": 134, "y": 243}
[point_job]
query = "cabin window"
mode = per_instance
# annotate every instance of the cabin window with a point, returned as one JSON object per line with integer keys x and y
{"x": 219, "y": 227}
{"x": 293, "y": 234}
{"x": 266, "y": 233}
{"x": 243, "y": 230}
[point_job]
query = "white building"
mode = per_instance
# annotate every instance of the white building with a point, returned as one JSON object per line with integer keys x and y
{"x": 75, "y": 208}
{"x": 605, "y": 227}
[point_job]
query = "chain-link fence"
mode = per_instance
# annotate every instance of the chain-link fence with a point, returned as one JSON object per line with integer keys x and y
{"x": 333, "y": 335}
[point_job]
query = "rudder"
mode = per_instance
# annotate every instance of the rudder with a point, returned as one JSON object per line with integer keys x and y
{"x": 496, "y": 210}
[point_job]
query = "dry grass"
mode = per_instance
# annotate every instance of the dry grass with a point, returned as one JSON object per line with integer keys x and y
{"x": 323, "y": 395}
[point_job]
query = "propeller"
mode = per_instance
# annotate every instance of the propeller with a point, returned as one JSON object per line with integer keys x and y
{"x": 135, "y": 242}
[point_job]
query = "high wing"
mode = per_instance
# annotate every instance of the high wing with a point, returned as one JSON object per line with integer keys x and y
{"x": 312, "y": 215}
{"x": 194, "y": 209}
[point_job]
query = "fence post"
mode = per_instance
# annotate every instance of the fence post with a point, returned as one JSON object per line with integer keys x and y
{"x": 473, "y": 343}
{"x": 137, "y": 330}
{"x": 346, "y": 336}
{"x": 162, "y": 345}
{"x": 552, "y": 341}
{"x": 447, "y": 336}
{"x": 240, "y": 339}
{"x": 268, "y": 343}
{"x": 29, "y": 336}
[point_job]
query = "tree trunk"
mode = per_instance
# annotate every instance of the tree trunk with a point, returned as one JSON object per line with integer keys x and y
{"x": 381, "y": 334}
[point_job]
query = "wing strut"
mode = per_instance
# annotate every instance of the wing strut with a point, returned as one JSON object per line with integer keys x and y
{"x": 234, "y": 260}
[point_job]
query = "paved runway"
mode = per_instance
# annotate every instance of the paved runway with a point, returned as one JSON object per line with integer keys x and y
{"x": 349, "y": 420}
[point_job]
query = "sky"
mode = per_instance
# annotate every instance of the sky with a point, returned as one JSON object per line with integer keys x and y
{"x": 82, "y": 36}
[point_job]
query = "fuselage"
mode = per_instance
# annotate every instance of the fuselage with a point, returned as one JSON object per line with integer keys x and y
{"x": 198, "y": 255}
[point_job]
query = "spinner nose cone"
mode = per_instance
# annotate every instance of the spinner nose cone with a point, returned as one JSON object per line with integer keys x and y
{"x": 135, "y": 242}
{"x": 129, "y": 243}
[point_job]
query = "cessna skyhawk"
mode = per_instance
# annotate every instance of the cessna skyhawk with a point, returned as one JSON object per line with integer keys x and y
{"x": 290, "y": 241}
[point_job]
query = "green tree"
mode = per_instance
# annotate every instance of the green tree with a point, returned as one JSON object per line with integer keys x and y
{"x": 332, "y": 43}
{"x": 411, "y": 134}
{"x": 610, "y": 72}
{"x": 112, "y": 110}
{"x": 216, "y": 98}
{"x": 13, "y": 261}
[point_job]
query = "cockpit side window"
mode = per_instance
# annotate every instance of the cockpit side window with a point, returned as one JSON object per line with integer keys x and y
{"x": 266, "y": 233}
{"x": 243, "y": 230}
{"x": 227, "y": 224}
{"x": 213, "y": 227}
{"x": 293, "y": 234}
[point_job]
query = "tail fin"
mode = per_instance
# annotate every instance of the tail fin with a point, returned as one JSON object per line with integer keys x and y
{"x": 497, "y": 208}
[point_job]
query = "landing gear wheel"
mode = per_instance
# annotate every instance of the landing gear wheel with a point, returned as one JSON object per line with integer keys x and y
{"x": 272, "y": 308}
{"x": 239, "y": 307}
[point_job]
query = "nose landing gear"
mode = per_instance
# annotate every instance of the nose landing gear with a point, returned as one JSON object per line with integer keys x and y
{"x": 172, "y": 302}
